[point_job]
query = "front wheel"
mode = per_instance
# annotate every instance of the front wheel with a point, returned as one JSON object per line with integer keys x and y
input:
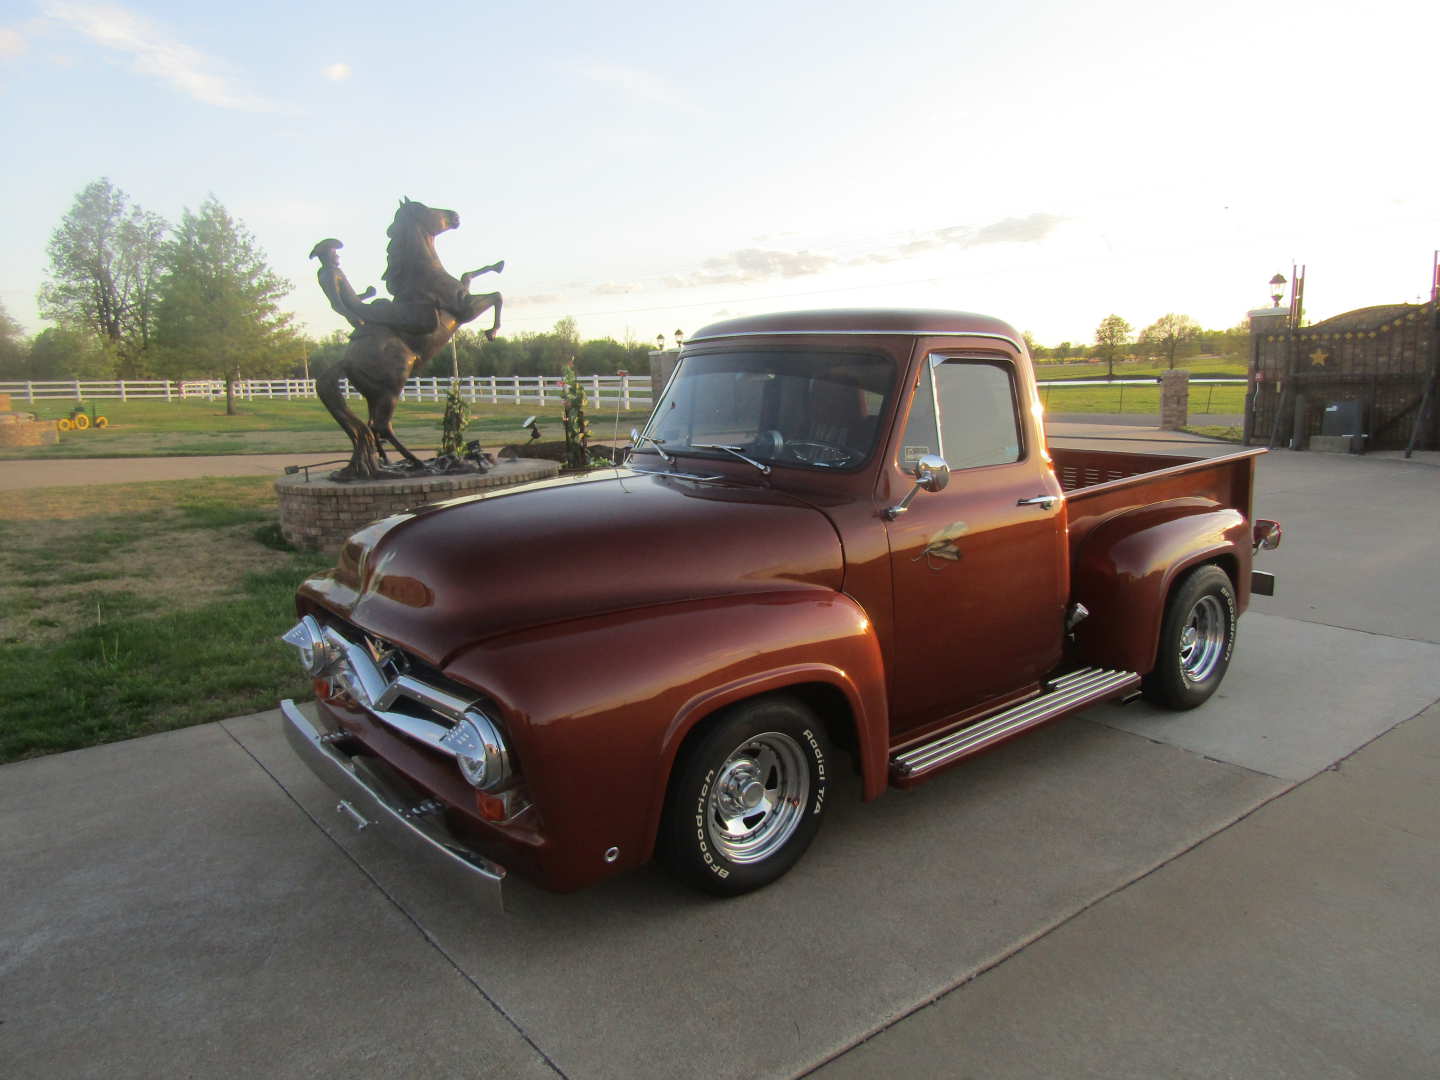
{"x": 1196, "y": 640}
{"x": 746, "y": 799}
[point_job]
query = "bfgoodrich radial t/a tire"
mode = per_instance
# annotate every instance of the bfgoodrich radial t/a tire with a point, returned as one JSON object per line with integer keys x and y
{"x": 747, "y": 797}
{"x": 1196, "y": 640}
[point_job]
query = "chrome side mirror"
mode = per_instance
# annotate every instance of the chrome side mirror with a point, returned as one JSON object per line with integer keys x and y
{"x": 931, "y": 474}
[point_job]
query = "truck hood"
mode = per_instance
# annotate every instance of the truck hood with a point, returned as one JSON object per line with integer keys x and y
{"x": 445, "y": 577}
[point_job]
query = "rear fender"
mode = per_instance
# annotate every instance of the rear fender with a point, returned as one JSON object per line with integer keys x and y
{"x": 598, "y": 708}
{"x": 1127, "y": 567}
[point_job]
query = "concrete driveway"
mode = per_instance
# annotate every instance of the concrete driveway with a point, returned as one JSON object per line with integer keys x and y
{"x": 1246, "y": 890}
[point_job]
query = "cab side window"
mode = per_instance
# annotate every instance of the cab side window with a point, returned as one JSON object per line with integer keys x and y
{"x": 978, "y": 423}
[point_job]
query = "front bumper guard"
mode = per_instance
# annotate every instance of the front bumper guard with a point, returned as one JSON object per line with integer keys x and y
{"x": 415, "y": 829}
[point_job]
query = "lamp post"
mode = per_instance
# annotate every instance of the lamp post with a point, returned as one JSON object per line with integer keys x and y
{"x": 659, "y": 342}
{"x": 679, "y": 338}
{"x": 1277, "y": 288}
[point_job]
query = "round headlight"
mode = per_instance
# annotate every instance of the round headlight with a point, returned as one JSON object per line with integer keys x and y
{"x": 479, "y": 751}
{"x": 309, "y": 640}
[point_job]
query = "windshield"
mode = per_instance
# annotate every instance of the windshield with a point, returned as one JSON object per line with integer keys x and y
{"x": 781, "y": 407}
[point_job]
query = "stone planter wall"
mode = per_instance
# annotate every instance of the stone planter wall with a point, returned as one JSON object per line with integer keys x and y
{"x": 319, "y": 515}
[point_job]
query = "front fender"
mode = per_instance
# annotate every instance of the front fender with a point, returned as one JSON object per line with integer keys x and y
{"x": 1125, "y": 570}
{"x": 597, "y": 708}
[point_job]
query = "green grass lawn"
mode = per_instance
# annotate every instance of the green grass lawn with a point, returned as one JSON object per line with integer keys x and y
{"x": 149, "y": 428}
{"x": 129, "y": 609}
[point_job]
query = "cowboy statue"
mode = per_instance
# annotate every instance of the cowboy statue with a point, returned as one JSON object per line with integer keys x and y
{"x": 391, "y": 338}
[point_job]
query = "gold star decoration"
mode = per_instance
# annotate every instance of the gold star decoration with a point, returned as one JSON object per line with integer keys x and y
{"x": 1318, "y": 357}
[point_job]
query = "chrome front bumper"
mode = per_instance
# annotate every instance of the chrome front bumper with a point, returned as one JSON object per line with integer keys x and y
{"x": 418, "y": 829}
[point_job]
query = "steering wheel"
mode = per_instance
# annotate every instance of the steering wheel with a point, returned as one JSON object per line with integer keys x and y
{"x": 819, "y": 453}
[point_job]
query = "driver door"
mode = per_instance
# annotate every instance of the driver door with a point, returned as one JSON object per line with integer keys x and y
{"x": 978, "y": 578}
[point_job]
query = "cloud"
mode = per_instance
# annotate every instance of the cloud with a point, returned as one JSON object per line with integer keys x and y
{"x": 1028, "y": 229}
{"x": 753, "y": 265}
{"x": 635, "y": 83}
{"x": 12, "y": 42}
{"x": 337, "y": 72}
{"x": 155, "y": 53}
{"x": 749, "y": 265}
{"x": 533, "y": 298}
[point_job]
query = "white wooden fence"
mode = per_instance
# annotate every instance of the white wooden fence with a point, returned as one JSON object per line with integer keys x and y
{"x": 601, "y": 391}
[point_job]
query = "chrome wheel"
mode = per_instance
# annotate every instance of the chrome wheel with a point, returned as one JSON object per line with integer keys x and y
{"x": 758, "y": 798}
{"x": 1203, "y": 639}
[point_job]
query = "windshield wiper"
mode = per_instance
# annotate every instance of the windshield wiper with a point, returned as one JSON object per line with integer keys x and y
{"x": 765, "y": 469}
{"x": 637, "y": 439}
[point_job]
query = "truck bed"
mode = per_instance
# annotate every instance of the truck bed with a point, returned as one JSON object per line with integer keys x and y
{"x": 1101, "y": 484}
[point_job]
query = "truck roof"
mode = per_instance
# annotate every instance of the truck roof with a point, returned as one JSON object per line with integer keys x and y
{"x": 868, "y": 321}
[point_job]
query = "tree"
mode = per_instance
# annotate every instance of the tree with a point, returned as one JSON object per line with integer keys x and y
{"x": 1168, "y": 333}
{"x": 1112, "y": 335}
{"x": 324, "y": 354}
{"x": 61, "y": 353}
{"x": 1062, "y": 351}
{"x": 219, "y": 311}
{"x": 1235, "y": 342}
{"x": 14, "y": 353}
{"x": 105, "y": 265}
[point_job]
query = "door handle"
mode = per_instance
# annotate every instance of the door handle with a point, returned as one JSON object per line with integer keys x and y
{"x": 1045, "y": 502}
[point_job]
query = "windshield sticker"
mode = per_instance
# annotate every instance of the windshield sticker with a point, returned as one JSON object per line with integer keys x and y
{"x": 911, "y": 454}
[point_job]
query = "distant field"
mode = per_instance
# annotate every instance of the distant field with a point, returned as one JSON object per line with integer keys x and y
{"x": 1225, "y": 400}
{"x": 158, "y": 428}
{"x": 154, "y": 428}
{"x": 1198, "y": 366}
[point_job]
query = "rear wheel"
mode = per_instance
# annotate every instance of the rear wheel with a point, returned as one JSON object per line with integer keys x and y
{"x": 81, "y": 421}
{"x": 746, "y": 799}
{"x": 1197, "y": 637}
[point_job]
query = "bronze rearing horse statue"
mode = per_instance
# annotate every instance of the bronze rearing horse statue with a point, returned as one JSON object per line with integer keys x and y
{"x": 393, "y": 337}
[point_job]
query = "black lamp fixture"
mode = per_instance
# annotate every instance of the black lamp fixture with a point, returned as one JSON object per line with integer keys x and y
{"x": 679, "y": 338}
{"x": 660, "y": 342}
{"x": 1277, "y": 288}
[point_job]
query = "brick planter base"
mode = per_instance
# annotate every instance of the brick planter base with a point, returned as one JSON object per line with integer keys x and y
{"x": 319, "y": 515}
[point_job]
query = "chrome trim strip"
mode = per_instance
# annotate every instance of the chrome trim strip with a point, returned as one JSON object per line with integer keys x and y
{"x": 858, "y": 333}
{"x": 1069, "y": 692}
{"x": 677, "y": 475}
{"x": 467, "y": 870}
{"x": 406, "y": 686}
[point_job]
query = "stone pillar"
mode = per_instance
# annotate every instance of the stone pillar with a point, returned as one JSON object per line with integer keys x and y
{"x": 662, "y": 366}
{"x": 1174, "y": 400}
{"x": 1271, "y": 320}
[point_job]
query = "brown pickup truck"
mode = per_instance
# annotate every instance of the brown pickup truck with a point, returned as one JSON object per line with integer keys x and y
{"x": 840, "y": 534}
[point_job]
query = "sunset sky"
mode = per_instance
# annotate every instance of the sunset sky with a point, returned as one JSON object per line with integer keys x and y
{"x": 647, "y": 167}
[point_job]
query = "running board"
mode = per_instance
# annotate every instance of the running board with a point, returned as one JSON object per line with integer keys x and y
{"x": 1066, "y": 695}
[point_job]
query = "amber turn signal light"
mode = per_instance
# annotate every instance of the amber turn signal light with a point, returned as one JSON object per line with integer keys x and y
{"x": 491, "y": 807}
